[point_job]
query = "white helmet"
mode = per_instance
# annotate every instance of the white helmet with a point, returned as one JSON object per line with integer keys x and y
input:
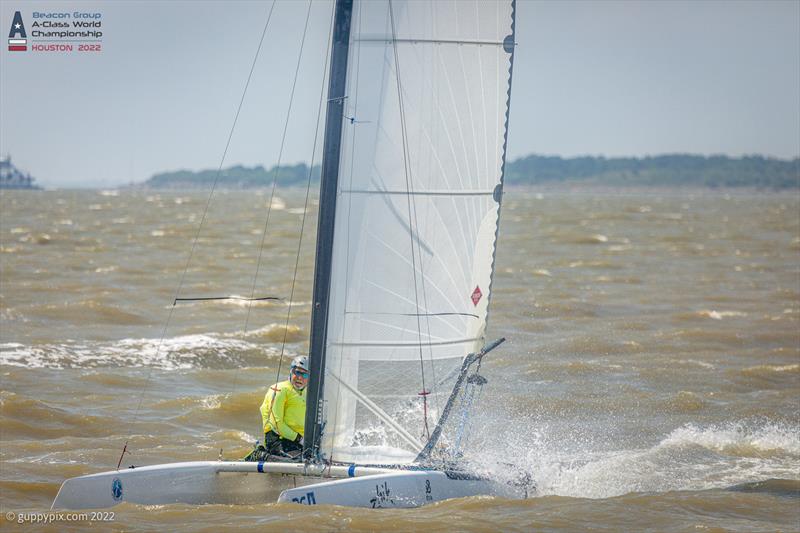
{"x": 301, "y": 361}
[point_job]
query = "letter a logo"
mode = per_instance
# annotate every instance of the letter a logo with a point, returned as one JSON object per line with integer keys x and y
{"x": 17, "y": 27}
{"x": 17, "y": 38}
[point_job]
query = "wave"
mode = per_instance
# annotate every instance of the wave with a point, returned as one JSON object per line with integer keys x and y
{"x": 768, "y": 376}
{"x": 719, "y": 315}
{"x": 91, "y": 311}
{"x": 29, "y": 418}
{"x": 769, "y": 370}
{"x": 183, "y": 352}
{"x": 279, "y": 332}
{"x": 690, "y": 457}
{"x": 737, "y": 439}
{"x": 686, "y": 402}
{"x": 775, "y": 487}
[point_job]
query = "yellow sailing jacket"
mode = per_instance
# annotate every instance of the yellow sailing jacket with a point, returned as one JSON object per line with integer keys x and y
{"x": 284, "y": 410}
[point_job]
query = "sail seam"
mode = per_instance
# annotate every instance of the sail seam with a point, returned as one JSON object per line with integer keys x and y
{"x": 430, "y": 41}
{"x": 408, "y": 314}
{"x": 420, "y": 193}
{"x": 410, "y": 344}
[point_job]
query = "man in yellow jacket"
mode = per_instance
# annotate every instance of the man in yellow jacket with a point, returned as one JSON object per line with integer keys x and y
{"x": 284, "y": 412}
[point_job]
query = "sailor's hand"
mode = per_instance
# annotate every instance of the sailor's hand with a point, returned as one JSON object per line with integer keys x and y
{"x": 299, "y": 439}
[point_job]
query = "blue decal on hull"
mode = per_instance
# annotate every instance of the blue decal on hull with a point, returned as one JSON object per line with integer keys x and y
{"x": 116, "y": 489}
{"x": 308, "y": 499}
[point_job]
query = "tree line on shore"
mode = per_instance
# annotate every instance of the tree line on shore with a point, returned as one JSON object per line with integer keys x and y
{"x": 675, "y": 170}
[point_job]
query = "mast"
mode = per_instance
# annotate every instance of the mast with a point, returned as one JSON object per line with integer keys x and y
{"x": 325, "y": 224}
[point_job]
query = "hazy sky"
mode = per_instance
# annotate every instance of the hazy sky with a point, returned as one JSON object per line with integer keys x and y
{"x": 597, "y": 77}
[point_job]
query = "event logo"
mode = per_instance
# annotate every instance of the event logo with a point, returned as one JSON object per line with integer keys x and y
{"x": 17, "y": 38}
{"x": 57, "y": 31}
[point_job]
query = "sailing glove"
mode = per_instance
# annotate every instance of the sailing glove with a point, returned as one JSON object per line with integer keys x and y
{"x": 298, "y": 439}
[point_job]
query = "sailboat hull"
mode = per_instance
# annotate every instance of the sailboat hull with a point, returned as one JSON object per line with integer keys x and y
{"x": 237, "y": 482}
{"x": 199, "y": 482}
{"x": 397, "y": 489}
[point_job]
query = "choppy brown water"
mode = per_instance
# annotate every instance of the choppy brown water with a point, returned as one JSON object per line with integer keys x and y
{"x": 651, "y": 379}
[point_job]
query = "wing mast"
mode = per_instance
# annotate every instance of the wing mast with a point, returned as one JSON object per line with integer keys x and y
{"x": 325, "y": 225}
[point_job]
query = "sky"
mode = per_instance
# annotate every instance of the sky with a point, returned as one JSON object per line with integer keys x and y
{"x": 611, "y": 78}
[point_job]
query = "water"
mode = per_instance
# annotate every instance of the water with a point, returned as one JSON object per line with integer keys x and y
{"x": 651, "y": 377}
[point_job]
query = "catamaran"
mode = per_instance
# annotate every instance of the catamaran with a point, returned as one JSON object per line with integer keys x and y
{"x": 410, "y": 195}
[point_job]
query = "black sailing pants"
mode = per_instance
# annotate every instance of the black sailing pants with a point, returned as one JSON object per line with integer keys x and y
{"x": 276, "y": 445}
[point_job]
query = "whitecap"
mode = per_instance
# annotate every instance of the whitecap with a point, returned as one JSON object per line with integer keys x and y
{"x": 733, "y": 437}
{"x": 183, "y": 352}
{"x": 719, "y": 315}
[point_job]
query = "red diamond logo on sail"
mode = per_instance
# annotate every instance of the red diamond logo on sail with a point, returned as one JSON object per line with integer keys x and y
{"x": 476, "y": 295}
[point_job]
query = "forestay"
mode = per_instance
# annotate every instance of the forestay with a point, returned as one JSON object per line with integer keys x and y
{"x": 419, "y": 190}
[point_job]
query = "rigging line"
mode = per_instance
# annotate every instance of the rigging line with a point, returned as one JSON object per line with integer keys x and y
{"x": 305, "y": 208}
{"x": 272, "y": 196}
{"x": 358, "y": 16}
{"x": 424, "y": 289}
{"x": 421, "y": 268}
{"x": 277, "y": 168}
{"x": 269, "y": 210}
{"x": 409, "y": 187}
{"x": 199, "y": 228}
{"x": 425, "y": 302}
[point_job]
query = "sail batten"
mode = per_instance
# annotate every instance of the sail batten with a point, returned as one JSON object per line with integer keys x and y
{"x": 414, "y": 233}
{"x": 441, "y": 192}
{"x": 410, "y": 344}
{"x": 390, "y": 40}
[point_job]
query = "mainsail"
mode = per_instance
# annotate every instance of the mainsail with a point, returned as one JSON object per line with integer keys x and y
{"x": 420, "y": 156}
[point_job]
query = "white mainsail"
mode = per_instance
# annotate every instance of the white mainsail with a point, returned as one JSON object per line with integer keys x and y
{"x": 417, "y": 210}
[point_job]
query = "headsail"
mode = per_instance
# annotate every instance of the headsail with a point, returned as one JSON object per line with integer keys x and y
{"x": 416, "y": 217}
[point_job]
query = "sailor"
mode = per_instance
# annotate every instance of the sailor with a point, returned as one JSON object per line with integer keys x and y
{"x": 284, "y": 412}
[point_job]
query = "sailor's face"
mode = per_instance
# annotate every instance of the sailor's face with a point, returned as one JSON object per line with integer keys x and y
{"x": 299, "y": 378}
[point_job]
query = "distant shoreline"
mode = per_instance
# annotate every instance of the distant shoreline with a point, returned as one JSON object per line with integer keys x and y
{"x": 668, "y": 171}
{"x": 559, "y": 189}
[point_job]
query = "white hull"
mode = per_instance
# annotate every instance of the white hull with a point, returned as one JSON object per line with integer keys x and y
{"x": 396, "y": 489}
{"x": 221, "y": 482}
{"x": 198, "y": 482}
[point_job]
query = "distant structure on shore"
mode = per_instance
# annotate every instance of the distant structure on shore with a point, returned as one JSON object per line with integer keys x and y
{"x": 12, "y": 178}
